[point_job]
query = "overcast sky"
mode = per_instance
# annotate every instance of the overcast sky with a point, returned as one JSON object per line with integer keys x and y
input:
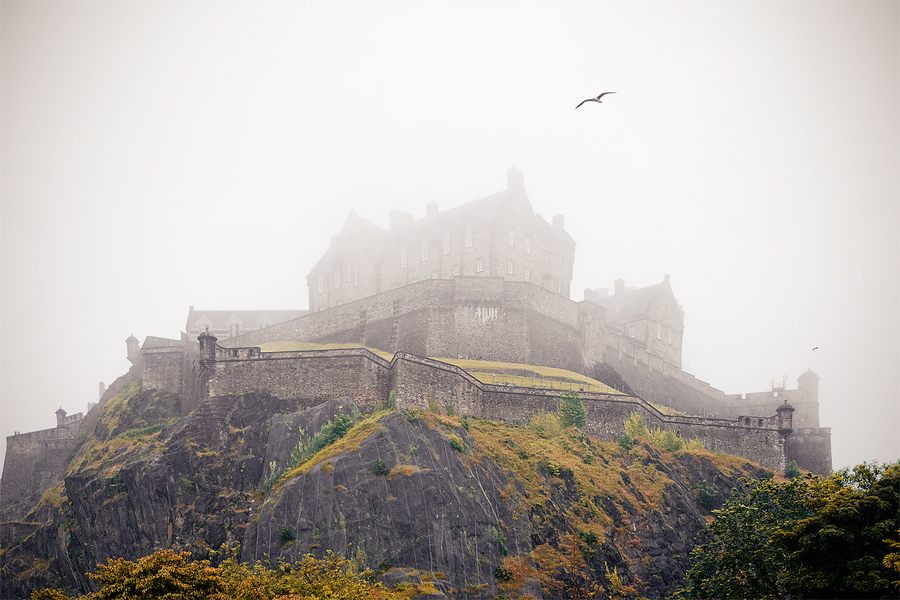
{"x": 155, "y": 156}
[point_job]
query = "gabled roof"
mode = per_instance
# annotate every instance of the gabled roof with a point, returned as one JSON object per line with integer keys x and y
{"x": 631, "y": 302}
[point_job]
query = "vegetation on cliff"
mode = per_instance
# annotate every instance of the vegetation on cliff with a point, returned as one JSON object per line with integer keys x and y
{"x": 429, "y": 499}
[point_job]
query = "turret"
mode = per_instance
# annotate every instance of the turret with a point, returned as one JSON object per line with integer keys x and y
{"x": 207, "y": 347}
{"x": 785, "y": 418}
{"x": 60, "y": 417}
{"x": 134, "y": 348}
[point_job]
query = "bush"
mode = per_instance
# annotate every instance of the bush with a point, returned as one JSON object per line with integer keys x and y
{"x": 503, "y": 574}
{"x": 636, "y": 427}
{"x": 792, "y": 470}
{"x": 544, "y": 424}
{"x": 706, "y": 495}
{"x": 286, "y": 535}
{"x": 571, "y": 411}
{"x": 379, "y": 468}
{"x": 456, "y": 443}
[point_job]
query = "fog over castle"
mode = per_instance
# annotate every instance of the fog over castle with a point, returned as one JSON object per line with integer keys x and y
{"x": 161, "y": 156}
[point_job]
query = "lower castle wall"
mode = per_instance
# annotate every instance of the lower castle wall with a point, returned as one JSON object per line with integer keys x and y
{"x": 356, "y": 373}
{"x": 34, "y": 463}
{"x": 811, "y": 448}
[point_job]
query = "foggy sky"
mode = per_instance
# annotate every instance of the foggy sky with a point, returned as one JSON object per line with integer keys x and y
{"x": 751, "y": 152}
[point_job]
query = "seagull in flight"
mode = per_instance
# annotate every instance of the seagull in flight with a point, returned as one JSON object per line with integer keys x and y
{"x": 597, "y": 99}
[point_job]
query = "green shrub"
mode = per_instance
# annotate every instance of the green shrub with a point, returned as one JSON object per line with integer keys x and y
{"x": 636, "y": 427}
{"x": 792, "y": 470}
{"x": 571, "y": 411}
{"x": 286, "y": 535}
{"x": 498, "y": 538}
{"x": 706, "y": 495}
{"x": 626, "y": 442}
{"x": 456, "y": 443}
{"x": 544, "y": 424}
{"x": 379, "y": 468}
{"x": 503, "y": 574}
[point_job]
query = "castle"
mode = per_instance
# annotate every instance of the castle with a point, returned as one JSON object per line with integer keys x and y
{"x": 489, "y": 280}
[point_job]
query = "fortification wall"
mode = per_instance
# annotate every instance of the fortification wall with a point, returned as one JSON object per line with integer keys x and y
{"x": 475, "y": 317}
{"x": 313, "y": 376}
{"x": 420, "y": 380}
{"x": 306, "y": 376}
{"x": 811, "y": 448}
{"x": 34, "y": 463}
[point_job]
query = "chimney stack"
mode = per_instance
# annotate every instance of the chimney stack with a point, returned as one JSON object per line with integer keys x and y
{"x": 515, "y": 180}
{"x": 559, "y": 221}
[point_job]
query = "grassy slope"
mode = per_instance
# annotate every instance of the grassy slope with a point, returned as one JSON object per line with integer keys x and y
{"x": 501, "y": 373}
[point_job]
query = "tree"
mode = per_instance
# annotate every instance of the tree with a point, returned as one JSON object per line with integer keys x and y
{"x": 842, "y": 550}
{"x": 738, "y": 558}
{"x": 813, "y": 537}
{"x": 571, "y": 411}
{"x": 163, "y": 575}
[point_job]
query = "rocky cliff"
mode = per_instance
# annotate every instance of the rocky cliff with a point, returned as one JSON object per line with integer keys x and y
{"x": 473, "y": 507}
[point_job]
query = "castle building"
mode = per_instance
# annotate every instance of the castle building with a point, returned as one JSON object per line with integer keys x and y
{"x": 648, "y": 316}
{"x": 497, "y": 236}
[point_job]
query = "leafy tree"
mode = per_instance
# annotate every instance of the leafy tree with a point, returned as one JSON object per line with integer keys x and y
{"x": 792, "y": 470}
{"x": 738, "y": 558}
{"x": 163, "y": 575}
{"x": 841, "y": 550}
{"x": 571, "y": 411}
{"x": 834, "y": 537}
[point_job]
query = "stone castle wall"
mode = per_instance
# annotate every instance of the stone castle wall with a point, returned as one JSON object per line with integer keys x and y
{"x": 471, "y": 317}
{"x": 420, "y": 382}
{"x": 34, "y": 463}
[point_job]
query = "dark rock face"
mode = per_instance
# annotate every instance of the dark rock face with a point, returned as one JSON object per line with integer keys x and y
{"x": 405, "y": 497}
{"x": 426, "y": 510}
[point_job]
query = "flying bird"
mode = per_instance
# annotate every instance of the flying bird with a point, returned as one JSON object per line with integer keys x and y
{"x": 816, "y": 348}
{"x": 597, "y": 99}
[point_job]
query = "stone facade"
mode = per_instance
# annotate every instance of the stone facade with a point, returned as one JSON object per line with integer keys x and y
{"x": 499, "y": 236}
{"x": 34, "y": 463}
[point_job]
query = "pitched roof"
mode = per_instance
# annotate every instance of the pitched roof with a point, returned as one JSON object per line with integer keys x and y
{"x": 631, "y": 302}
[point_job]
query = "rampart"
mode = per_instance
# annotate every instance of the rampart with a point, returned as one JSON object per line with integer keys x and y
{"x": 417, "y": 382}
{"x": 34, "y": 463}
{"x": 465, "y": 317}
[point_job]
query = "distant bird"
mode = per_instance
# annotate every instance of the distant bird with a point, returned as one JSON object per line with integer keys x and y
{"x": 816, "y": 348}
{"x": 597, "y": 99}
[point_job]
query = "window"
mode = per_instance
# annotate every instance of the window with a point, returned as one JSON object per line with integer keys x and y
{"x": 337, "y": 279}
{"x": 509, "y": 267}
{"x": 456, "y": 270}
{"x": 402, "y": 256}
{"x": 670, "y": 336}
{"x": 356, "y": 273}
{"x": 527, "y": 274}
{"x": 435, "y": 275}
{"x": 480, "y": 265}
{"x": 321, "y": 284}
{"x": 658, "y": 331}
{"x": 631, "y": 331}
{"x": 527, "y": 245}
{"x": 468, "y": 236}
{"x": 559, "y": 288}
{"x": 510, "y": 237}
{"x": 559, "y": 261}
{"x": 424, "y": 250}
{"x": 349, "y": 273}
{"x": 446, "y": 243}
